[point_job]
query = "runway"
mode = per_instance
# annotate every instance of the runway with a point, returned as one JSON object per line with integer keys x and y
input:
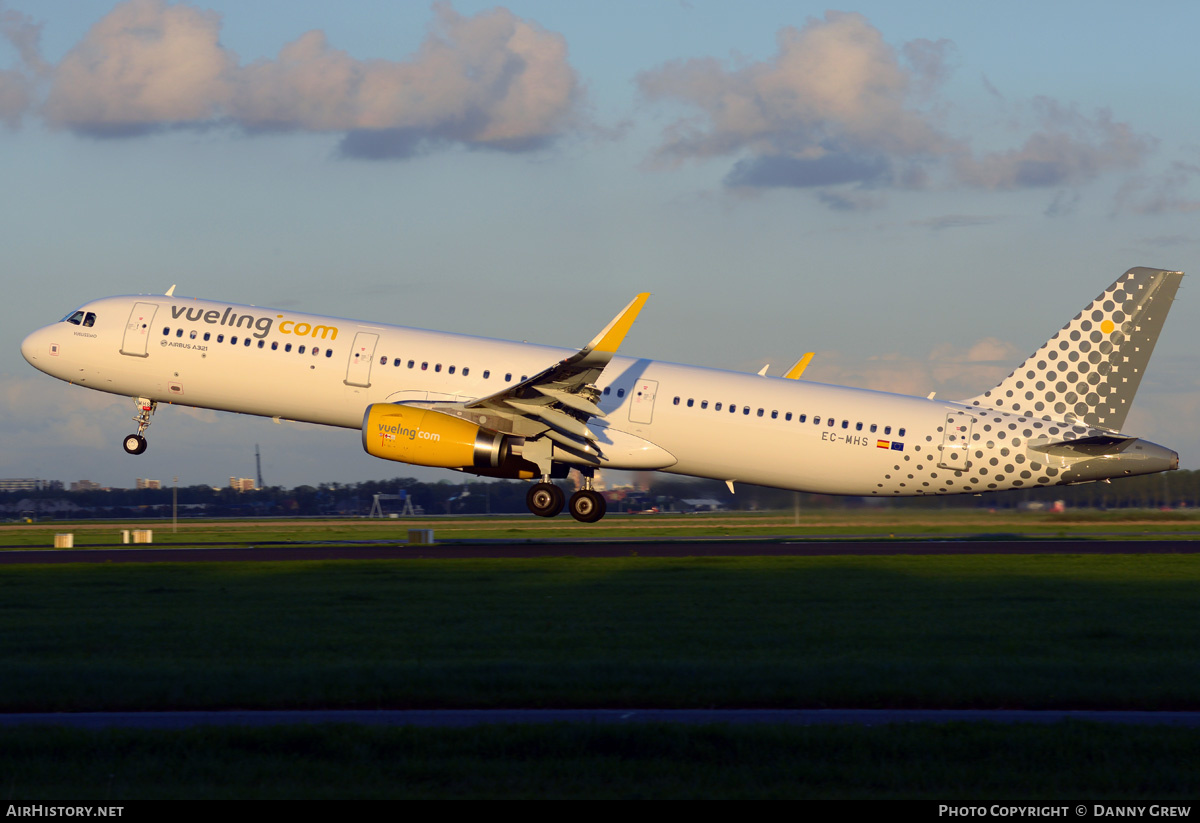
{"x": 464, "y": 718}
{"x": 524, "y": 548}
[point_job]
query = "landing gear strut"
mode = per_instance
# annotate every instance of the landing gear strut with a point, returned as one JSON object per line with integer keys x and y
{"x": 587, "y": 505}
{"x": 545, "y": 499}
{"x": 136, "y": 443}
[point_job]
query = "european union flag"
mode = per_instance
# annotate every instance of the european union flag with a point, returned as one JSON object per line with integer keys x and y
{"x": 897, "y": 446}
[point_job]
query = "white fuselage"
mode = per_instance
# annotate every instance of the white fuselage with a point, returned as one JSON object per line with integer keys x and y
{"x": 718, "y": 424}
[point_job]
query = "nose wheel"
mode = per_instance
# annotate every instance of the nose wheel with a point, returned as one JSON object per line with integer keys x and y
{"x": 136, "y": 443}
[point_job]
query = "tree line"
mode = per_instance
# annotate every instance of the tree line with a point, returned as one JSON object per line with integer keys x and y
{"x": 665, "y": 492}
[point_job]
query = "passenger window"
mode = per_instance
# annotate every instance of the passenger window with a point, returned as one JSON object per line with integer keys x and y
{"x": 192, "y": 335}
{"x": 508, "y": 377}
{"x": 287, "y": 347}
{"x": 166, "y": 330}
{"x": 620, "y": 392}
{"x": 845, "y": 424}
{"x": 816, "y": 421}
{"x": 329, "y": 352}
{"x": 788, "y": 417}
{"x": 717, "y": 407}
{"x": 733, "y": 408}
{"x": 412, "y": 363}
{"x": 873, "y": 428}
{"x": 801, "y": 418}
{"x": 858, "y": 427}
{"x": 832, "y": 422}
{"x": 425, "y": 366}
{"x": 691, "y": 402}
{"x": 675, "y": 402}
{"x": 607, "y": 389}
{"x": 383, "y": 360}
{"x": 774, "y": 414}
{"x": 179, "y": 332}
{"x": 450, "y": 370}
{"x": 487, "y": 373}
{"x": 207, "y": 335}
{"x": 704, "y": 404}
{"x": 438, "y": 367}
{"x": 274, "y": 345}
{"x": 524, "y": 378}
{"x": 300, "y": 350}
{"x": 887, "y": 429}
{"x": 247, "y": 342}
{"x": 466, "y": 371}
{"x": 900, "y": 433}
{"x": 396, "y": 362}
{"x": 220, "y": 338}
{"x": 233, "y": 340}
{"x": 262, "y": 343}
{"x": 316, "y": 350}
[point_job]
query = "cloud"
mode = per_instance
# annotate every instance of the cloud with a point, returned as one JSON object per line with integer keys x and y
{"x": 18, "y": 85}
{"x": 836, "y": 106}
{"x": 834, "y": 86}
{"x": 1160, "y": 194}
{"x": 955, "y": 221}
{"x": 948, "y": 369}
{"x": 143, "y": 66}
{"x": 1068, "y": 149}
{"x": 492, "y": 80}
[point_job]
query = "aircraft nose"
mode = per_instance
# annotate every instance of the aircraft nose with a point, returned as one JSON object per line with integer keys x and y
{"x": 35, "y": 349}
{"x": 28, "y": 347}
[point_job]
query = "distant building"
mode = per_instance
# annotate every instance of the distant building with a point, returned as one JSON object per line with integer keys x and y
{"x": 145, "y": 483}
{"x": 85, "y": 486}
{"x": 23, "y": 484}
{"x": 242, "y": 484}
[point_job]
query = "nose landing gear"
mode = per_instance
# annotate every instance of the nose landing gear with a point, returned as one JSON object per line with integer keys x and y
{"x": 136, "y": 443}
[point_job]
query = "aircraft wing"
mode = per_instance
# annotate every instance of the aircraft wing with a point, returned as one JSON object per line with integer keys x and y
{"x": 562, "y": 398}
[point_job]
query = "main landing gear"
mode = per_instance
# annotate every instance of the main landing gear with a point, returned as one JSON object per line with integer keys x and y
{"x": 136, "y": 443}
{"x": 586, "y": 505}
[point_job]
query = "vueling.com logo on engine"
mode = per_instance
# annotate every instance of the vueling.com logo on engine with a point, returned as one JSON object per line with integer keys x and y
{"x": 389, "y": 433}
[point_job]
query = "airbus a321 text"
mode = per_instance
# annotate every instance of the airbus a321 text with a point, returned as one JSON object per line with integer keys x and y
{"x": 506, "y": 409}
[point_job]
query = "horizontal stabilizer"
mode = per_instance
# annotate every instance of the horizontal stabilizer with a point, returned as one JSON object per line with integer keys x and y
{"x": 1084, "y": 446}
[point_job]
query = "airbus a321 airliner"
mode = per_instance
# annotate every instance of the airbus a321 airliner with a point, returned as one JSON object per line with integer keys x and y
{"x": 506, "y": 409}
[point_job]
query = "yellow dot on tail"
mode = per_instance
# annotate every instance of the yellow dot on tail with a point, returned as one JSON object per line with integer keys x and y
{"x": 1107, "y": 327}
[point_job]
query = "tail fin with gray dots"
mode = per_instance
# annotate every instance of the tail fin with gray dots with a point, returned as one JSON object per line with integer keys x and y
{"x": 1090, "y": 371}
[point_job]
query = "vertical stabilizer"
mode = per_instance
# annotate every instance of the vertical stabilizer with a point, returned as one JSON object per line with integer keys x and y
{"x": 1090, "y": 371}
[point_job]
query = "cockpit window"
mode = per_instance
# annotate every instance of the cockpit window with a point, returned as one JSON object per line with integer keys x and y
{"x": 76, "y": 318}
{"x": 81, "y": 318}
{"x": 89, "y": 319}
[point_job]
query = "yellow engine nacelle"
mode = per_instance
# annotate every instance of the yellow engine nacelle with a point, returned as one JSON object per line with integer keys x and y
{"x": 430, "y": 438}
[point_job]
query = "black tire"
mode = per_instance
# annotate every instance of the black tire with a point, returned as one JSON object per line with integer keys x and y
{"x": 135, "y": 444}
{"x": 545, "y": 499}
{"x": 588, "y": 506}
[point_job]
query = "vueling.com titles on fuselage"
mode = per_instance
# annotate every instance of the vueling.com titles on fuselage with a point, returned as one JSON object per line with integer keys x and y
{"x": 262, "y": 325}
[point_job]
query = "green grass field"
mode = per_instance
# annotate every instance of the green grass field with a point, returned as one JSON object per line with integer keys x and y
{"x": 899, "y": 523}
{"x": 1103, "y": 631}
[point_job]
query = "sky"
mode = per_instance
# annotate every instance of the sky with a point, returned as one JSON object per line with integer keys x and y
{"x": 920, "y": 193}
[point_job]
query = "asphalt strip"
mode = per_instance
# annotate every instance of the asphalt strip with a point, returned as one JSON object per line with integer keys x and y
{"x": 462, "y": 718}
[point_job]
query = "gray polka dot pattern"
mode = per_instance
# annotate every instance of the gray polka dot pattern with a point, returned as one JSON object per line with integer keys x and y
{"x": 1089, "y": 372}
{"x": 1052, "y": 421}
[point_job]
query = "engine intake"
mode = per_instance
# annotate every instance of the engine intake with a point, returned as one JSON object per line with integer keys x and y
{"x": 425, "y": 437}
